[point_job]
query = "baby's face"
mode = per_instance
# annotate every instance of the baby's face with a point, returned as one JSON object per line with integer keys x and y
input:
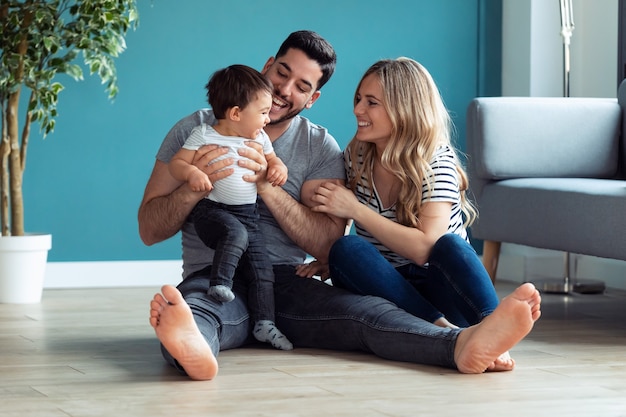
{"x": 255, "y": 116}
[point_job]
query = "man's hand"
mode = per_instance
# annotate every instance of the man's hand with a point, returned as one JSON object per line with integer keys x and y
{"x": 313, "y": 268}
{"x": 204, "y": 159}
{"x": 255, "y": 161}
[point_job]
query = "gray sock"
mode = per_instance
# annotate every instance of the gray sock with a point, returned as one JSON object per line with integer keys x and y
{"x": 221, "y": 293}
{"x": 266, "y": 331}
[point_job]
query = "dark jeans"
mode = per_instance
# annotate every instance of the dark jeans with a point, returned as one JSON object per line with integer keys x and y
{"x": 233, "y": 232}
{"x": 455, "y": 283}
{"x": 317, "y": 315}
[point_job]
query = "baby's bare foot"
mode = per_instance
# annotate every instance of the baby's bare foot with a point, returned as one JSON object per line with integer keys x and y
{"x": 173, "y": 322}
{"x": 484, "y": 346}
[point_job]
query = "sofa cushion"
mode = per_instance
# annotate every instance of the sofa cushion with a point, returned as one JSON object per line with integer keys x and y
{"x": 579, "y": 215}
{"x": 543, "y": 137}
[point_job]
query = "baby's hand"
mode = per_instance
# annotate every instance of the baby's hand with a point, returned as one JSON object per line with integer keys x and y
{"x": 277, "y": 175}
{"x": 199, "y": 181}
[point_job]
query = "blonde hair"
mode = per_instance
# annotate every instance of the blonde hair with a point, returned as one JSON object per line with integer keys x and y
{"x": 420, "y": 124}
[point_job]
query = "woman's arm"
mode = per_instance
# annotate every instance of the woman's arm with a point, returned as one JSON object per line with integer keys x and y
{"x": 409, "y": 242}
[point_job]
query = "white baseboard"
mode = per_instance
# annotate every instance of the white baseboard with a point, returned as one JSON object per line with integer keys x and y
{"x": 112, "y": 274}
{"x": 521, "y": 263}
{"x": 517, "y": 264}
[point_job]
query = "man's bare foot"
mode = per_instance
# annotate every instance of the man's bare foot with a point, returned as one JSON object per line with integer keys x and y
{"x": 173, "y": 322}
{"x": 484, "y": 346}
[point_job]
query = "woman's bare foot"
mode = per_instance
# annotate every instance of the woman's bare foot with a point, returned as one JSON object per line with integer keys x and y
{"x": 483, "y": 347}
{"x": 504, "y": 362}
{"x": 443, "y": 322}
{"x": 173, "y": 322}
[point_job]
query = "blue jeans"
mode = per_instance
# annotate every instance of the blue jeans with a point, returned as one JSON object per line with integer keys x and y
{"x": 454, "y": 283}
{"x": 316, "y": 315}
{"x": 233, "y": 232}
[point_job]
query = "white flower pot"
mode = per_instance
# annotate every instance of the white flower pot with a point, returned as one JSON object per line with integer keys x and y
{"x": 23, "y": 267}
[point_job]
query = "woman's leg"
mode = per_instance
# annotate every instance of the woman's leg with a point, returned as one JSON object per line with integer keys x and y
{"x": 458, "y": 283}
{"x": 358, "y": 266}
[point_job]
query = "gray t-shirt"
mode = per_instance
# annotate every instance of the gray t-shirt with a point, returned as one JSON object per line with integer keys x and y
{"x": 309, "y": 152}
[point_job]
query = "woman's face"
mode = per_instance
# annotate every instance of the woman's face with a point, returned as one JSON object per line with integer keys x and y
{"x": 373, "y": 122}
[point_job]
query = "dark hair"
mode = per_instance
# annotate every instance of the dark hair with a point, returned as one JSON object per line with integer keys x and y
{"x": 316, "y": 48}
{"x": 236, "y": 85}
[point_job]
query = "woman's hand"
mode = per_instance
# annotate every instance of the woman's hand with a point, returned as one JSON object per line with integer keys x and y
{"x": 336, "y": 200}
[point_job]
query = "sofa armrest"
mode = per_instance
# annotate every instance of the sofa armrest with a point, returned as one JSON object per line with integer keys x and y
{"x": 518, "y": 137}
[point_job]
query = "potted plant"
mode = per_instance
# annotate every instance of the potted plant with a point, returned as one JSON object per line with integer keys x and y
{"x": 38, "y": 40}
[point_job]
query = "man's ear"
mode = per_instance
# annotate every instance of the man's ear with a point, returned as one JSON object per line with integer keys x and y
{"x": 234, "y": 113}
{"x": 268, "y": 64}
{"x": 313, "y": 99}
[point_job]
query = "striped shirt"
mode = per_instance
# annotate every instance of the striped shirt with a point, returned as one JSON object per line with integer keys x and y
{"x": 444, "y": 184}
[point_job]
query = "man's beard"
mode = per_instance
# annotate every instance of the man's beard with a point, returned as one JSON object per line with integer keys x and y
{"x": 288, "y": 116}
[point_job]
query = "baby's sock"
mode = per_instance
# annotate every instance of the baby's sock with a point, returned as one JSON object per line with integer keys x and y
{"x": 266, "y": 331}
{"x": 221, "y": 293}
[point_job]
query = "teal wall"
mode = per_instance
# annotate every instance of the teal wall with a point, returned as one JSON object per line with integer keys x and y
{"x": 84, "y": 182}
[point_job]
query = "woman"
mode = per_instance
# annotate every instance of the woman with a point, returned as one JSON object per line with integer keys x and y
{"x": 407, "y": 198}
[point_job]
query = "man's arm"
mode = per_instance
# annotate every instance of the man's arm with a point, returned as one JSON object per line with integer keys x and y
{"x": 167, "y": 202}
{"x": 313, "y": 232}
{"x": 165, "y": 206}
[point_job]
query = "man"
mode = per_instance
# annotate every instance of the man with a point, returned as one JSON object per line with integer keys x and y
{"x": 193, "y": 328}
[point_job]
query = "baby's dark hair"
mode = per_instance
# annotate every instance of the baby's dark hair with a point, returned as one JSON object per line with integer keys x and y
{"x": 316, "y": 48}
{"x": 236, "y": 85}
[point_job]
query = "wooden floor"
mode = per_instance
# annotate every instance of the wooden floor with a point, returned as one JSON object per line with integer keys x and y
{"x": 92, "y": 353}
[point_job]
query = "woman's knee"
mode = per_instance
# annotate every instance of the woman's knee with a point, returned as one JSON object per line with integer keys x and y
{"x": 450, "y": 243}
{"x": 346, "y": 247}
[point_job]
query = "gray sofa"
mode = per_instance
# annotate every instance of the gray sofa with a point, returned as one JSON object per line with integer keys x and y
{"x": 548, "y": 173}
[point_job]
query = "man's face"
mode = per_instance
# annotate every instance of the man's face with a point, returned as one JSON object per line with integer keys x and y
{"x": 295, "y": 77}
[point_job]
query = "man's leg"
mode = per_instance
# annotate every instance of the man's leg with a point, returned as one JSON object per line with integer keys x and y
{"x": 193, "y": 327}
{"x": 314, "y": 314}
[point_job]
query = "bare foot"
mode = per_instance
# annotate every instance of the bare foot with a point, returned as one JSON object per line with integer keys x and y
{"x": 443, "y": 322}
{"x": 173, "y": 322}
{"x": 484, "y": 346}
{"x": 503, "y": 362}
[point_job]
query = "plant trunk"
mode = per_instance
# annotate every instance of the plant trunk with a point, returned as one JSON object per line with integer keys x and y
{"x": 15, "y": 153}
{"x": 16, "y": 169}
{"x": 4, "y": 178}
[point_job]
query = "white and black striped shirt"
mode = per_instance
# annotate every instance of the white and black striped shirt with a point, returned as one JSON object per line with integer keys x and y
{"x": 444, "y": 188}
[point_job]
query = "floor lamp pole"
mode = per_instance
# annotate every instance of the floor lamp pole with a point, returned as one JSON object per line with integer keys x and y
{"x": 567, "y": 285}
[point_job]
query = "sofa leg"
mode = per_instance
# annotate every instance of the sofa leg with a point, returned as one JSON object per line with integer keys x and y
{"x": 491, "y": 255}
